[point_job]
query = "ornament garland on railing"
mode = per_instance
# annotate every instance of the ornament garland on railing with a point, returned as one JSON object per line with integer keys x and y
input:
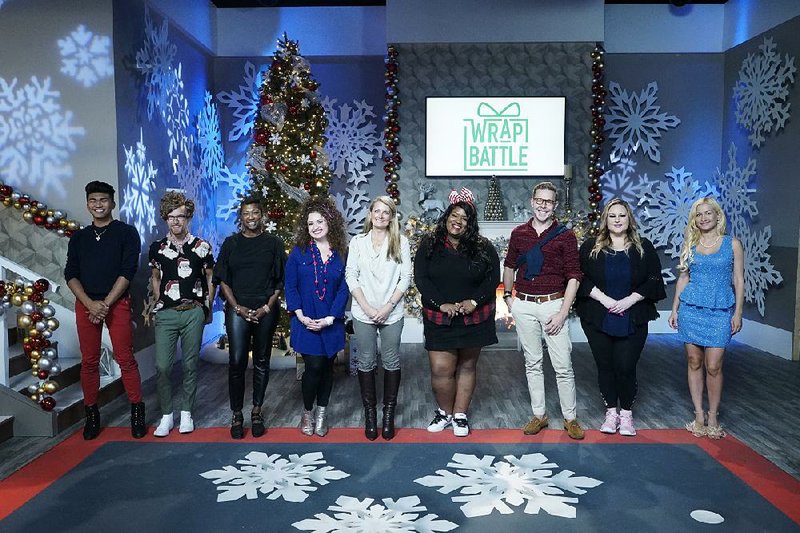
{"x": 598, "y": 125}
{"x": 37, "y": 320}
{"x": 36, "y": 212}
{"x": 391, "y": 137}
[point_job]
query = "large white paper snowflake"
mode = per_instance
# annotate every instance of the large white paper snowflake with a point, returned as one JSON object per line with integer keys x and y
{"x": 138, "y": 208}
{"x": 154, "y": 60}
{"x": 735, "y": 192}
{"x": 666, "y": 209}
{"x": 621, "y": 181}
{"x": 236, "y": 187}
{"x": 352, "y": 204}
{"x": 486, "y": 485}
{"x": 762, "y": 91}
{"x": 634, "y": 121}
{"x": 353, "y": 140}
{"x": 273, "y": 476}
{"x": 209, "y": 141}
{"x": 36, "y": 137}
{"x": 352, "y": 514}
{"x": 243, "y": 101}
{"x": 176, "y": 118}
{"x": 759, "y": 273}
{"x": 86, "y": 56}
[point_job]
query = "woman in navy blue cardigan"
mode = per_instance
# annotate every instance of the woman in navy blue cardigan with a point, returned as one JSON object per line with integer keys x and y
{"x": 316, "y": 296}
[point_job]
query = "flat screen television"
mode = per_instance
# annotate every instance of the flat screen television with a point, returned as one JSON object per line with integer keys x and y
{"x": 503, "y": 136}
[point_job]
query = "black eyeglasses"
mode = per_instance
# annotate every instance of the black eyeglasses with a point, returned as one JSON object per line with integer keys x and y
{"x": 176, "y": 218}
{"x": 543, "y": 201}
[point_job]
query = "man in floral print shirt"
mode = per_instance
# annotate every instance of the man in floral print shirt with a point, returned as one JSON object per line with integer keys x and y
{"x": 182, "y": 266}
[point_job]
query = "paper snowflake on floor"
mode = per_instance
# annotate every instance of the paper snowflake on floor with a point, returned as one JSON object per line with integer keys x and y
{"x": 85, "y": 56}
{"x": 762, "y": 91}
{"x": 735, "y": 190}
{"x": 665, "y": 209}
{"x": 36, "y": 137}
{"x": 487, "y": 486}
{"x": 621, "y": 181}
{"x": 634, "y": 121}
{"x": 244, "y": 102}
{"x": 758, "y": 271}
{"x": 273, "y": 476}
{"x": 137, "y": 200}
{"x": 154, "y": 60}
{"x": 352, "y": 514}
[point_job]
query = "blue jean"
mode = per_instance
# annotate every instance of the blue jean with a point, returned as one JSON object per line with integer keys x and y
{"x": 367, "y": 344}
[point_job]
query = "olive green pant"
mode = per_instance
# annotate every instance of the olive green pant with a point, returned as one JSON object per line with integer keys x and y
{"x": 172, "y": 325}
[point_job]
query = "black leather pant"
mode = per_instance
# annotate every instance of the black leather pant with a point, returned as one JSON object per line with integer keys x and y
{"x": 242, "y": 337}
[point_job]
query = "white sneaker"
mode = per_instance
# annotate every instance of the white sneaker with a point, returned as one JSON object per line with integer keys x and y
{"x": 187, "y": 424}
{"x": 440, "y": 421}
{"x": 164, "y": 426}
{"x": 460, "y": 425}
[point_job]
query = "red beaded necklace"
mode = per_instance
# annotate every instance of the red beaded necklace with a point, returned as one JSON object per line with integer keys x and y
{"x": 316, "y": 257}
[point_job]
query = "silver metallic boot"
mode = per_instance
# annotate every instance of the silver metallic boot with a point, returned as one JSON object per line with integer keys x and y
{"x": 321, "y": 428}
{"x": 307, "y": 423}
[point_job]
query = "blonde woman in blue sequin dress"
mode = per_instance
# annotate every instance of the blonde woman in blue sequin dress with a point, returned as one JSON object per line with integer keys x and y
{"x": 707, "y": 308}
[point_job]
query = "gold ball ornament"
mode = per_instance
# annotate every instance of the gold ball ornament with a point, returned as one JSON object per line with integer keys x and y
{"x": 35, "y": 397}
{"x": 24, "y": 321}
{"x": 72, "y": 225}
{"x": 50, "y": 387}
{"x": 27, "y": 216}
{"x": 52, "y": 324}
{"x": 35, "y": 354}
{"x": 17, "y": 299}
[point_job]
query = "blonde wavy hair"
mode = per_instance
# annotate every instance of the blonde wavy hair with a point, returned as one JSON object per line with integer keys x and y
{"x": 692, "y": 235}
{"x": 393, "y": 252}
{"x": 632, "y": 238}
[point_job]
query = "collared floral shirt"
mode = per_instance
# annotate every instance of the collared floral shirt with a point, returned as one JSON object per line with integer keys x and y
{"x": 183, "y": 271}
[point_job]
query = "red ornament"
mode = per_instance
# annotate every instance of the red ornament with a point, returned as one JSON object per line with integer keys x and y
{"x": 27, "y": 347}
{"x": 313, "y": 154}
{"x": 48, "y": 403}
{"x": 42, "y": 374}
{"x": 307, "y": 186}
{"x": 36, "y": 297}
{"x": 2, "y": 288}
{"x": 41, "y": 285}
{"x": 5, "y": 190}
{"x": 292, "y": 109}
{"x": 266, "y": 99}
{"x": 36, "y": 316}
{"x": 261, "y": 137}
{"x": 283, "y": 168}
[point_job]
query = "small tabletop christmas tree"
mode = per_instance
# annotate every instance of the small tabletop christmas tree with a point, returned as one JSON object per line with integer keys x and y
{"x": 494, "y": 208}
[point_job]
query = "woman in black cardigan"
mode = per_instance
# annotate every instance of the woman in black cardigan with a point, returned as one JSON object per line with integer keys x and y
{"x": 616, "y": 299}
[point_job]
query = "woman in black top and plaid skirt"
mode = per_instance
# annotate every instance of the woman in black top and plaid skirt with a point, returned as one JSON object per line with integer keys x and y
{"x": 456, "y": 271}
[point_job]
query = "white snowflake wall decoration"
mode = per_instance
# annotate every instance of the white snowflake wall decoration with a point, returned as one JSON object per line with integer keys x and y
{"x": 758, "y": 271}
{"x": 665, "y": 209}
{"x": 243, "y": 101}
{"x": 735, "y": 190}
{"x": 634, "y": 121}
{"x": 273, "y": 476}
{"x": 137, "y": 200}
{"x": 154, "y": 60}
{"x": 621, "y": 181}
{"x": 36, "y": 137}
{"x": 237, "y": 186}
{"x": 487, "y": 486}
{"x": 352, "y": 514}
{"x": 86, "y": 56}
{"x": 762, "y": 90}
{"x": 176, "y": 118}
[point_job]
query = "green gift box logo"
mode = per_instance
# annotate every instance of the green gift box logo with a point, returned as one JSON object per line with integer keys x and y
{"x": 496, "y": 141}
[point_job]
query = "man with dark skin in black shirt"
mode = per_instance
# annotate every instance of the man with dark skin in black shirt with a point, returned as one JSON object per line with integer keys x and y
{"x": 101, "y": 261}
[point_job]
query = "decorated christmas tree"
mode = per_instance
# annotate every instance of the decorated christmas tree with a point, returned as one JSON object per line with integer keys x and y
{"x": 494, "y": 208}
{"x": 287, "y": 159}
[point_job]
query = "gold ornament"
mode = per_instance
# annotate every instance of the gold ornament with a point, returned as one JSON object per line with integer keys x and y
{"x": 52, "y": 324}
{"x": 17, "y": 299}
{"x": 24, "y": 321}
{"x": 50, "y": 387}
{"x": 35, "y": 354}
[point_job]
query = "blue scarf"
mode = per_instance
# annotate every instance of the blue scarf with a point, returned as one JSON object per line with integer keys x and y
{"x": 534, "y": 257}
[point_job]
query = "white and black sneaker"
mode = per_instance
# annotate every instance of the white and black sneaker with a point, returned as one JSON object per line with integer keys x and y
{"x": 460, "y": 425}
{"x": 440, "y": 421}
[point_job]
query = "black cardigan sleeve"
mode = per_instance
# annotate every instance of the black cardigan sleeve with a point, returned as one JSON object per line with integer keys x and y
{"x": 588, "y": 267}
{"x": 651, "y": 285}
{"x": 429, "y": 293}
{"x": 487, "y": 288}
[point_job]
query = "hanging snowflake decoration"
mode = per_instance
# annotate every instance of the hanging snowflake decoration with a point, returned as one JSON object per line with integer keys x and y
{"x": 353, "y": 142}
{"x": 762, "y": 92}
{"x": 759, "y": 273}
{"x": 668, "y": 276}
{"x": 635, "y": 122}
{"x": 273, "y": 476}
{"x": 487, "y": 486}
{"x": 621, "y": 181}
{"x": 85, "y": 56}
{"x": 36, "y": 137}
{"x": 666, "y": 209}
{"x": 137, "y": 202}
{"x": 735, "y": 192}
{"x": 209, "y": 141}
{"x": 154, "y": 60}
{"x": 244, "y": 102}
{"x": 352, "y": 514}
{"x": 176, "y": 118}
{"x": 235, "y": 188}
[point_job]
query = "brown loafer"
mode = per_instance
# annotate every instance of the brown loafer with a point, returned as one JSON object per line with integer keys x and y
{"x": 536, "y": 424}
{"x": 574, "y": 430}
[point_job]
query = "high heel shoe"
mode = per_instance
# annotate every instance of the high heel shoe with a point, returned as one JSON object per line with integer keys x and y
{"x": 321, "y": 426}
{"x": 715, "y": 432}
{"x": 307, "y": 423}
{"x": 698, "y": 430}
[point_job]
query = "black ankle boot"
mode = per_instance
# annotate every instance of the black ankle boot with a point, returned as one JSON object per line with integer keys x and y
{"x": 257, "y": 423}
{"x": 391, "y": 385}
{"x": 237, "y": 426}
{"x": 92, "y": 427}
{"x": 138, "y": 428}
{"x": 366, "y": 380}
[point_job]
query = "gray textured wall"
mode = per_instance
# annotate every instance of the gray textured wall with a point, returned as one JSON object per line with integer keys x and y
{"x": 550, "y": 69}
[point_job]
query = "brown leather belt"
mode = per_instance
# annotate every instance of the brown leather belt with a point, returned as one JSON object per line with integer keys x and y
{"x": 186, "y": 307}
{"x": 539, "y": 298}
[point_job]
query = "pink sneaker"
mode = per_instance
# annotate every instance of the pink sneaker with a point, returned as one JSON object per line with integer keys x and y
{"x": 611, "y": 422}
{"x": 626, "y": 423}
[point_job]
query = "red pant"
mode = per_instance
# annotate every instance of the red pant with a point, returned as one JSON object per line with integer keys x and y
{"x": 118, "y": 321}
